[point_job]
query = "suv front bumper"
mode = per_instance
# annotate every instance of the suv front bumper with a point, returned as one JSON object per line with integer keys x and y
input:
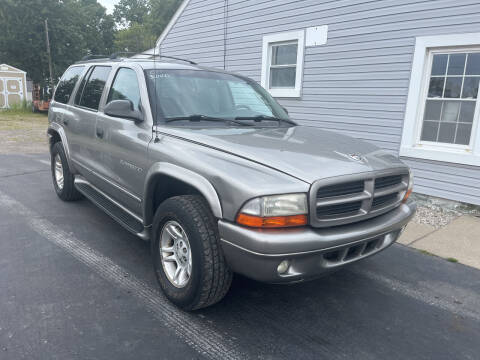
{"x": 310, "y": 252}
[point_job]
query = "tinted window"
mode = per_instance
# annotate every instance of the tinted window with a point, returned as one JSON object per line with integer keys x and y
{"x": 67, "y": 83}
{"x": 79, "y": 93}
{"x": 93, "y": 89}
{"x": 125, "y": 87}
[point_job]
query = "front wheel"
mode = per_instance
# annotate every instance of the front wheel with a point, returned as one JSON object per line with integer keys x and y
{"x": 63, "y": 179}
{"x": 187, "y": 257}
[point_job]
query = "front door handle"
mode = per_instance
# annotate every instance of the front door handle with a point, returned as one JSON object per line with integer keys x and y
{"x": 99, "y": 132}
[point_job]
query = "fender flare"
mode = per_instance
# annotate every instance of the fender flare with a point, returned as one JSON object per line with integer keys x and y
{"x": 54, "y": 127}
{"x": 182, "y": 174}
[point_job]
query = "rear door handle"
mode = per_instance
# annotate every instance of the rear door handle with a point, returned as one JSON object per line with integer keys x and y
{"x": 99, "y": 132}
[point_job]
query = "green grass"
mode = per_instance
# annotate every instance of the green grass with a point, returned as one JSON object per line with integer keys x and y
{"x": 450, "y": 259}
{"x": 24, "y": 107}
{"x": 10, "y": 120}
{"x": 425, "y": 252}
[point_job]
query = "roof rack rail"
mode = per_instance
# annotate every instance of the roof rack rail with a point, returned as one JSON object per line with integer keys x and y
{"x": 173, "y": 57}
{"x": 117, "y": 54}
{"x": 91, "y": 57}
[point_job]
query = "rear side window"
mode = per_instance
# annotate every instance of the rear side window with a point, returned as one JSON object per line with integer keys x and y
{"x": 125, "y": 87}
{"x": 67, "y": 83}
{"x": 93, "y": 85}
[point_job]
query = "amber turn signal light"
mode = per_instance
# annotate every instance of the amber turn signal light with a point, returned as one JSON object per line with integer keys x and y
{"x": 271, "y": 222}
{"x": 407, "y": 194}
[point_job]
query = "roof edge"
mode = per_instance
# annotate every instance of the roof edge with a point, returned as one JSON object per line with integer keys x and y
{"x": 13, "y": 67}
{"x": 172, "y": 22}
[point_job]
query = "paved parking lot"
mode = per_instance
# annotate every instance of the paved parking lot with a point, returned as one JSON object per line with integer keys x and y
{"x": 75, "y": 285}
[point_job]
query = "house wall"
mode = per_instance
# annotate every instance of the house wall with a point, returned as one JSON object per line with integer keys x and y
{"x": 357, "y": 83}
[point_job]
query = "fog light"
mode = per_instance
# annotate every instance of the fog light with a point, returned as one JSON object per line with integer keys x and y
{"x": 283, "y": 267}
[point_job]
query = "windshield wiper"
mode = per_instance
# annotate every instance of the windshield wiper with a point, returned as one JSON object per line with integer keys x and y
{"x": 264, "y": 117}
{"x": 199, "y": 117}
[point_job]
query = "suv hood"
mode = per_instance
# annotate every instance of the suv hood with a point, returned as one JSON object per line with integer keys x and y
{"x": 304, "y": 152}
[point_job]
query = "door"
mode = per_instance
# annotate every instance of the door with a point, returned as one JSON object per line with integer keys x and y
{"x": 82, "y": 119}
{"x": 123, "y": 143}
{"x": 61, "y": 112}
{"x": 14, "y": 87}
{"x": 11, "y": 91}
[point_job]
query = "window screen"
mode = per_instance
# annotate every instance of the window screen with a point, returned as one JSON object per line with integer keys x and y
{"x": 92, "y": 91}
{"x": 67, "y": 83}
{"x": 125, "y": 87}
{"x": 283, "y": 65}
{"x": 451, "y": 99}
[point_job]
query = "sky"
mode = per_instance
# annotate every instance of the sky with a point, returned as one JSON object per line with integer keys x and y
{"x": 108, "y": 4}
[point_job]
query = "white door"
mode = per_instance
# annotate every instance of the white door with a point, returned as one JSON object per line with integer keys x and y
{"x": 14, "y": 90}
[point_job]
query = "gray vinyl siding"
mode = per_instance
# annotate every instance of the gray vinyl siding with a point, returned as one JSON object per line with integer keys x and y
{"x": 356, "y": 84}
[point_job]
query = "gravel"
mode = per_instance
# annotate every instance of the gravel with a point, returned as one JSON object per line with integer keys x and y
{"x": 439, "y": 212}
{"x": 435, "y": 216}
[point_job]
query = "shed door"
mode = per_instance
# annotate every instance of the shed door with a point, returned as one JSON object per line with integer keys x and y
{"x": 3, "y": 103}
{"x": 14, "y": 91}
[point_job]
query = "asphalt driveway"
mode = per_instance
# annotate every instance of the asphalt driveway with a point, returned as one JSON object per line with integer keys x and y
{"x": 75, "y": 285}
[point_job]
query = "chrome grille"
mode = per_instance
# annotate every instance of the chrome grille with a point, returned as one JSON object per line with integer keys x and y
{"x": 386, "y": 181}
{"x": 339, "y": 209}
{"x": 340, "y": 189}
{"x": 380, "y": 201}
{"x": 345, "y": 199}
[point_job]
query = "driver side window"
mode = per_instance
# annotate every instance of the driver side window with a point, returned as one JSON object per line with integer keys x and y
{"x": 125, "y": 87}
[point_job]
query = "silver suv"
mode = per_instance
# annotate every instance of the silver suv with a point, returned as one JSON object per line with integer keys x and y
{"x": 210, "y": 168}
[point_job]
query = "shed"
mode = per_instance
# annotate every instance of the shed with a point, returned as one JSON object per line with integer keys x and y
{"x": 12, "y": 85}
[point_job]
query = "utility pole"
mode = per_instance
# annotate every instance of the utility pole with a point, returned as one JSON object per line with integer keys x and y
{"x": 49, "y": 56}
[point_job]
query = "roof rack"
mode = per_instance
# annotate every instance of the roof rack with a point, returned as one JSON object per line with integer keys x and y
{"x": 117, "y": 56}
{"x": 91, "y": 57}
{"x": 173, "y": 57}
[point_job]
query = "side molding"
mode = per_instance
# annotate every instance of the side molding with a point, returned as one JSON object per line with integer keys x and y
{"x": 54, "y": 127}
{"x": 187, "y": 176}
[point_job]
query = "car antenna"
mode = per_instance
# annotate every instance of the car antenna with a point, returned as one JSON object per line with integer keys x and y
{"x": 156, "y": 140}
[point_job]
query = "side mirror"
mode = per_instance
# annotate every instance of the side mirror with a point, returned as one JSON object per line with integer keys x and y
{"x": 285, "y": 109}
{"x": 123, "y": 109}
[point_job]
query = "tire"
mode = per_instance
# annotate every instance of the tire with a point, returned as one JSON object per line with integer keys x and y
{"x": 210, "y": 277}
{"x": 66, "y": 192}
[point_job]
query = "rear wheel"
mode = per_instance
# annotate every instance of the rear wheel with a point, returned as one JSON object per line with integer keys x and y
{"x": 63, "y": 179}
{"x": 188, "y": 260}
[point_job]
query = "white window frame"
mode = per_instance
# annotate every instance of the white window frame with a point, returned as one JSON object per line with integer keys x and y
{"x": 268, "y": 41}
{"x": 411, "y": 145}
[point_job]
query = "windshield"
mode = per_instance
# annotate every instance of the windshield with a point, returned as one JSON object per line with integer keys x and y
{"x": 202, "y": 95}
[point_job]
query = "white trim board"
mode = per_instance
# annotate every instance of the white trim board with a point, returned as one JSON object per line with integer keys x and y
{"x": 410, "y": 146}
{"x": 278, "y": 38}
{"x": 172, "y": 22}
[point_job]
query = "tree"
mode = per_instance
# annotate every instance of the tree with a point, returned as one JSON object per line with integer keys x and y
{"x": 76, "y": 28}
{"x": 144, "y": 21}
{"x": 160, "y": 14}
{"x": 131, "y": 11}
{"x": 136, "y": 38}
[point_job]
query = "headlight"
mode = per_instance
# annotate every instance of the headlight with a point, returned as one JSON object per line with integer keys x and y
{"x": 275, "y": 211}
{"x": 410, "y": 186}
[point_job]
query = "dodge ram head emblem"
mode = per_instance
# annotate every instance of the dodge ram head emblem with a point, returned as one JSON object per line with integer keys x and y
{"x": 356, "y": 157}
{"x": 352, "y": 156}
